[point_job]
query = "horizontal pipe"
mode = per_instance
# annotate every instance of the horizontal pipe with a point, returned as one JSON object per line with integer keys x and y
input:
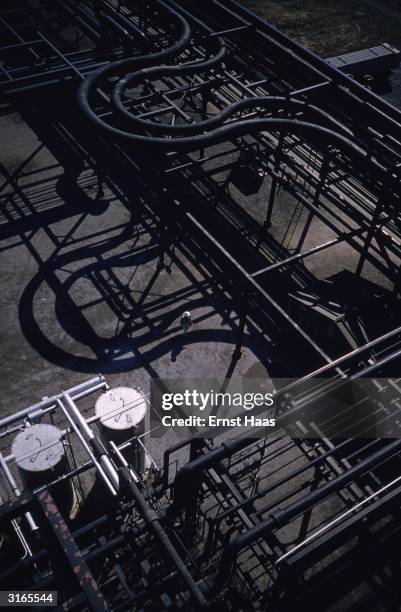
{"x": 281, "y": 517}
{"x": 339, "y": 519}
{"x": 51, "y": 402}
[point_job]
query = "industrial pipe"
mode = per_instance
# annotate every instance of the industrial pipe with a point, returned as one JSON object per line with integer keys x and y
{"x": 126, "y": 65}
{"x": 268, "y": 103}
{"x": 48, "y": 403}
{"x": 186, "y": 481}
{"x": 98, "y": 450}
{"x": 151, "y": 519}
{"x": 29, "y": 518}
{"x": 281, "y": 517}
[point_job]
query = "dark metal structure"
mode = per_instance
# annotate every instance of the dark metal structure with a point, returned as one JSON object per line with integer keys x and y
{"x": 203, "y": 102}
{"x": 369, "y": 63}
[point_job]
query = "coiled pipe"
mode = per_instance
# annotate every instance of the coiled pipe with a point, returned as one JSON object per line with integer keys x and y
{"x": 129, "y": 64}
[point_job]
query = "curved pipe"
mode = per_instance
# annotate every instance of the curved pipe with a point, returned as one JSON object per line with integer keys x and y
{"x": 242, "y": 128}
{"x": 157, "y": 72}
{"x": 266, "y": 102}
{"x": 219, "y": 134}
{"x": 129, "y": 64}
{"x": 233, "y": 130}
{"x": 183, "y": 144}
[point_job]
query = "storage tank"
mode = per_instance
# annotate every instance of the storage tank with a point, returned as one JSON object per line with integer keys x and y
{"x": 41, "y": 458}
{"x": 122, "y": 413}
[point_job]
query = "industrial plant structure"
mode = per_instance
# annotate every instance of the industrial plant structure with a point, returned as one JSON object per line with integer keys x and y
{"x": 259, "y": 183}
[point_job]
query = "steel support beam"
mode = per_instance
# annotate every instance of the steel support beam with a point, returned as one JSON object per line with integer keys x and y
{"x": 67, "y": 559}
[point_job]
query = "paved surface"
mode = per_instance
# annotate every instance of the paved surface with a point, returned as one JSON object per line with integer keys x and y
{"x": 384, "y": 8}
{"x": 81, "y": 290}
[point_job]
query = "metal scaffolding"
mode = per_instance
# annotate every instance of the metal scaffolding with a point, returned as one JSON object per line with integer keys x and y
{"x": 203, "y": 103}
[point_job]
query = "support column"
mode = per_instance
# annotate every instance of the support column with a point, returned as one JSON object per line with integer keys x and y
{"x": 323, "y": 175}
{"x": 273, "y": 189}
{"x": 162, "y": 230}
{"x": 270, "y": 205}
{"x": 243, "y": 313}
{"x": 369, "y": 237}
{"x": 67, "y": 559}
{"x": 104, "y": 33}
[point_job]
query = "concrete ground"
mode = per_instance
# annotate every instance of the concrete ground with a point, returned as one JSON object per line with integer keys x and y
{"x": 333, "y": 27}
{"x": 82, "y": 292}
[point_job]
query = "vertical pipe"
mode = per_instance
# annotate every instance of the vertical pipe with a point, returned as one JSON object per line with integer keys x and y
{"x": 270, "y": 204}
{"x": 369, "y": 237}
{"x": 323, "y": 175}
{"x": 162, "y": 229}
{"x": 243, "y": 313}
{"x": 87, "y": 434}
{"x": 32, "y": 525}
{"x": 154, "y": 525}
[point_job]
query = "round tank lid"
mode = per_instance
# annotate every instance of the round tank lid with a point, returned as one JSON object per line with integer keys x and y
{"x": 38, "y": 448}
{"x": 121, "y": 408}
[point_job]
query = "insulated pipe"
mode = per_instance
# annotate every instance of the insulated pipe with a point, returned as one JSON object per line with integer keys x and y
{"x": 245, "y": 127}
{"x": 50, "y": 402}
{"x": 223, "y": 132}
{"x": 87, "y": 448}
{"x": 269, "y": 103}
{"x": 188, "y": 69}
{"x": 29, "y": 518}
{"x": 97, "y": 447}
{"x": 229, "y": 131}
{"x": 220, "y": 134}
{"x": 186, "y": 480}
{"x": 126, "y": 65}
{"x": 157, "y": 72}
{"x": 281, "y": 517}
{"x": 152, "y": 521}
